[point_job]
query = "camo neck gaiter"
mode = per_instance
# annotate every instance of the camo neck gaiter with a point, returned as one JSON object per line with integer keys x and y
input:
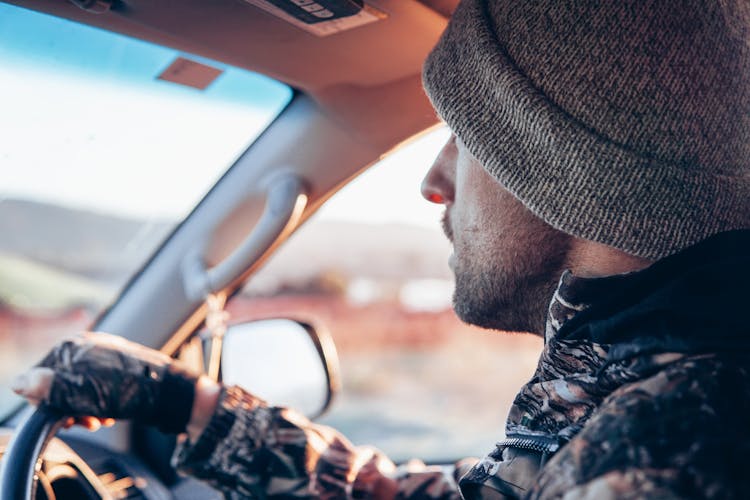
{"x": 565, "y": 387}
{"x": 603, "y": 333}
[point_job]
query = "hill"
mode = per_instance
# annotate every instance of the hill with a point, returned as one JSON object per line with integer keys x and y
{"x": 98, "y": 246}
{"x": 347, "y": 251}
{"x": 28, "y": 285}
{"x": 108, "y": 249}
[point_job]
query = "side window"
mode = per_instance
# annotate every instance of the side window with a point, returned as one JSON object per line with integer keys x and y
{"x": 371, "y": 266}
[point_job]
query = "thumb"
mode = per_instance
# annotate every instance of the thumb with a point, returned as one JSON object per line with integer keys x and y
{"x": 34, "y": 385}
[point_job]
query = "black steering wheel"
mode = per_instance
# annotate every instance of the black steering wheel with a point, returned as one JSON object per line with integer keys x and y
{"x": 21, "y": 458}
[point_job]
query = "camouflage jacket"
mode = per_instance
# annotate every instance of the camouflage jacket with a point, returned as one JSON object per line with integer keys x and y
{"x": 642, "y": 391}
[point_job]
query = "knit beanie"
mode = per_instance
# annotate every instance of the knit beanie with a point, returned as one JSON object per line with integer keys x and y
{"x": 621, "y": 122}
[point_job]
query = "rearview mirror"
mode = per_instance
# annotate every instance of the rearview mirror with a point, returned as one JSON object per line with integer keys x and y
{"x": 283, "y": 362}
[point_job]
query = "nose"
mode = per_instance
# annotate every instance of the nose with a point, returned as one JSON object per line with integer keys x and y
{"x": 438, "y": 185}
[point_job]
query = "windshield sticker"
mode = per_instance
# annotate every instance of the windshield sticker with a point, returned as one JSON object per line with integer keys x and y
{"x": 322, "y": 17}
{"x": 190, "y": 73}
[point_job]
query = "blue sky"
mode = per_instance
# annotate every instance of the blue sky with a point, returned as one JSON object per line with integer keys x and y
{"x": 30, "y": 38}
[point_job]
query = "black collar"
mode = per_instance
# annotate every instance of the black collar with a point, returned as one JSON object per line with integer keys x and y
{"x": 696, "y": 298}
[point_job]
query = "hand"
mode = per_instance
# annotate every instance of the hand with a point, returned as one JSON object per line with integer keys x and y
{"x": 105, "y": 376}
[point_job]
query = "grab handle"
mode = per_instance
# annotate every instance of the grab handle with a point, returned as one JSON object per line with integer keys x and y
{"x": 285, "y": 202}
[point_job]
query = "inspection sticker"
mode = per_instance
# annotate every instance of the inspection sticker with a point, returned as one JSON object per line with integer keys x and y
{"x": 322, "y": 17}
{"x": 190, "y": 73}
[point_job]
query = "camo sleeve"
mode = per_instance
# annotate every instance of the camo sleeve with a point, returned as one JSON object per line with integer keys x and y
{"x": 250, "y": 449}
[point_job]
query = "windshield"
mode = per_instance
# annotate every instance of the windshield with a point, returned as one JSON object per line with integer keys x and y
{"x": 107, "y": 143}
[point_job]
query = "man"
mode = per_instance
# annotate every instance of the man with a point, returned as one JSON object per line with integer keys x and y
{"x": 600, "y": 158}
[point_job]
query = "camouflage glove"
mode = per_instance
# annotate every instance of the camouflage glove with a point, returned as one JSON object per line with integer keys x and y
{"x": 106, "y": 376}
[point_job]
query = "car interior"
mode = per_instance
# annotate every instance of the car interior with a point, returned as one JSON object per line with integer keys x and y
{"x": 354, "y": 68}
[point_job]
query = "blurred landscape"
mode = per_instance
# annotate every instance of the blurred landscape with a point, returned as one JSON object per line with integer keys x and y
{"x": 417, "y": 381}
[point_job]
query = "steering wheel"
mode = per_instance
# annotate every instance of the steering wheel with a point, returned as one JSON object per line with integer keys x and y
{"x": 21, "y": 457}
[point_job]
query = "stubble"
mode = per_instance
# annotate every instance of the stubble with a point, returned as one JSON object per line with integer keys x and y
{"x": 509, "y": 288}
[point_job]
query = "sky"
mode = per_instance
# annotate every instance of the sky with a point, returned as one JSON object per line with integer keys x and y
{"x": 85, "y": 123}
{"x": 389, "y": 191}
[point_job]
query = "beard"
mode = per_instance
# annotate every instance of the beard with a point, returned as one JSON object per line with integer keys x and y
{"x": 509, "y": 287}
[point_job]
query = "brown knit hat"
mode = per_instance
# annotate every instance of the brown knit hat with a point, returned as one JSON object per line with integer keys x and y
{"x": 626, "y": 123}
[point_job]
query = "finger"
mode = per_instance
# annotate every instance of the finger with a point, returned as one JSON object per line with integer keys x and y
{"x": 68, "y": 423}
{"x": 93, "y": 423}
{"x": 90, "y": 423}
{"x": 35, "y": 384}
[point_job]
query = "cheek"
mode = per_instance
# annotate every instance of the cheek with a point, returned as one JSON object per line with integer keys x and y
{"x": 504, "y": 226}
{"x": 490, "y": 209}
{"x": 471, "y": 207}
{"x": 486, "y": 217}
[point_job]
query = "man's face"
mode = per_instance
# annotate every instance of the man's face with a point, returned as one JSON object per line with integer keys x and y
{"x": 506, "y": 260}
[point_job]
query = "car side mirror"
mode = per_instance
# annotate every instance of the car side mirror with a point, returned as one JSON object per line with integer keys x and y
{"x": 284, "y": 362}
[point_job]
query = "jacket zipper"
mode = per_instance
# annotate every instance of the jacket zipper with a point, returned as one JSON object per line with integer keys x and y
{"x": 534, "y": 443}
